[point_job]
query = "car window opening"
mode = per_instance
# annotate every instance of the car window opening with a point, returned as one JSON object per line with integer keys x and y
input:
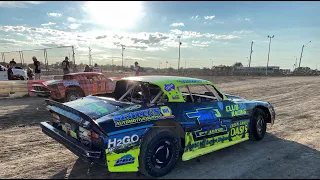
{"x": 199, "y": 93}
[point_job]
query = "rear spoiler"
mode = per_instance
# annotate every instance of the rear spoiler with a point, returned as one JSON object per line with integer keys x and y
{"x": 72, "y": 113}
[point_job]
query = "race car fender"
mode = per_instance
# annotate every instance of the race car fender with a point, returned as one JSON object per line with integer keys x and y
{"x": 122, "y": 150}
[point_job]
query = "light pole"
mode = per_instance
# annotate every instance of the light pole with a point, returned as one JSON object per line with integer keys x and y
{"x": 295, "y": 64}
{"x": 302, "y": 52}
{"x": 179, "y": 53}
{"x": 268, "y": 54}
{"x": 122, "y": 48}
{"x": 211, "y": 67}
{"x": 250, "y": 53}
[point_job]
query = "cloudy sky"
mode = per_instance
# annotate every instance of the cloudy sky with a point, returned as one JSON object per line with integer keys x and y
{"x": 211, "y": 32}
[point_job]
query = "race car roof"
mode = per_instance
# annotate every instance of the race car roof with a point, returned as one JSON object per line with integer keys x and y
{"x": 161, "y": 80}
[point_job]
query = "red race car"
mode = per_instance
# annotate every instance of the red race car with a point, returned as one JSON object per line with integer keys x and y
{"x": 74, "y": 86}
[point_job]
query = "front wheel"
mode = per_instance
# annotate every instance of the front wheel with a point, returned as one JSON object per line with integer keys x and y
{"x": 258, "y": 125}
{"x": 72, "y": 95}
{"x": 159, "y": 152}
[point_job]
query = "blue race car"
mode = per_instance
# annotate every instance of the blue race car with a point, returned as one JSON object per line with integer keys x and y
{"x": 154, "y": 120}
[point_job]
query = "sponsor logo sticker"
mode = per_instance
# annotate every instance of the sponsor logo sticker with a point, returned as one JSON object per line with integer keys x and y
{"x": 126, "y": 159}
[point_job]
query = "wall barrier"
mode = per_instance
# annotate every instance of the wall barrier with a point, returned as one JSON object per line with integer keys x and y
{"x": 7, "y": 87}
{"x": 22, "y": 88}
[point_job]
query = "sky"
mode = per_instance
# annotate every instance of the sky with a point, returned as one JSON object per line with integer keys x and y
{"x": 212, "y": 33}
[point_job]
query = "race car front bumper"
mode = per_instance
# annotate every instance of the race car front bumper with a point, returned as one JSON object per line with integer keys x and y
{"x": 41, "y": 93}
{"x": 73, "y": 145}
{"x": 39, "y": 90}
{"x": 273, "y": 114}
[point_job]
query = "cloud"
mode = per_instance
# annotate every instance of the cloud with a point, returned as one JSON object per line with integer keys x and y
{"x": 18, "y": 4}
{"x": 54, "y": 14}
{"x": 74, "y": 26}
{"x": 209, "y": 17}
{"x": 101, "y": 37}
{"x": 48, "y": 24}
{"x": 242, "y": 32}
{"x": 195, "y": 17}
{"x": 244, "y": 19}
{"x": 71, "y": 19}
{"x": 13, "y": 42}
{"x": 200, "y": 44}
{"x": 194, "y": 34}
{"x": 177, "y": 24}
{"x": 218, "y": 22}
{"x": 13, "y": 28}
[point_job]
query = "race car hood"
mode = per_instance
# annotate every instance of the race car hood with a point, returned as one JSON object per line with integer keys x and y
{"x": 243, "y": 100}
{"x": 233, "y": 97}
{"x": 51, "y": 82}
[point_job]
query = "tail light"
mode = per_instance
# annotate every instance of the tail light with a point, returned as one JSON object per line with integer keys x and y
{"x": 95, "y": 138}
{"x": 94, "y": 135}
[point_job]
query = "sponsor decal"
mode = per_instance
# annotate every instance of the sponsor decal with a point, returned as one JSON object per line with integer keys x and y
{"x": 235, "y": 110}
{"x": 126, "y": 159}
{"x": 97, "y": 108}
{"x": 208, "y": 116}
{"x": 207, "y": 142}
{"x": 142, "y": 116}
{"x": 169, "y": 87}
{"x": 71, "y": 83}
{"x": 189, "y": 81}
{"x": 175, "y": 97}
{"x": 126, "y": 140}
{"x": 133, "y": 107}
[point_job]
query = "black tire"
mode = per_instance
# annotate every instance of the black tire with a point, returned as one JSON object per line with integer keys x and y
{"x": 258, "y": 124}
{"x": 73, "y": 94}
{"x": 150, "y": 157}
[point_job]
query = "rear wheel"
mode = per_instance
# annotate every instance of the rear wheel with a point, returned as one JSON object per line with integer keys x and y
{"x": 73, "y": 94}
{"x": 159, "y": 152}
{"x": 258, "y": 125}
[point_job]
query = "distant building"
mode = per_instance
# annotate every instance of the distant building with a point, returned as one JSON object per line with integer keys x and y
{"x": 257, "y": 70}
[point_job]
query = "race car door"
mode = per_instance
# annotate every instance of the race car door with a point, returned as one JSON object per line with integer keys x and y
{"x": 211, "y": 123}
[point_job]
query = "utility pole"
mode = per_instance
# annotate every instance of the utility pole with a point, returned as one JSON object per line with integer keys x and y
{"x": 112, "y": 65}
{"x": 268, "y": 54}
{"x": 301, "y": 53}
{"x": 122, "y": 48}
{"x": 90, "y": 56}
{"x": 250, "y": 54}
{"x": 73, "y": 57}
{"x": 179, "y": 53}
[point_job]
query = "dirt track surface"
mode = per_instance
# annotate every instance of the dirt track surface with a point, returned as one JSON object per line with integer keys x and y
{"x": 289, "y": 150}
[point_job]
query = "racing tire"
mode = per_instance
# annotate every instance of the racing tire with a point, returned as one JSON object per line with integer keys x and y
{"x": 159, "y": 152}
{"x": 73, "y": 94}
{"x": 258, "y": 125}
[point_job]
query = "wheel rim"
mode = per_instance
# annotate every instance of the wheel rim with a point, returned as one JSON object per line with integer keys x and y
{"x": 260, "y": 124}
{"x": 73, "y": 96}
{"x": 162, "y": 154}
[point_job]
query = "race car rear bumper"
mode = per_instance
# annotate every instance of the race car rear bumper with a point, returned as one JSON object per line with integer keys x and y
{"x": 74, "y": 146}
